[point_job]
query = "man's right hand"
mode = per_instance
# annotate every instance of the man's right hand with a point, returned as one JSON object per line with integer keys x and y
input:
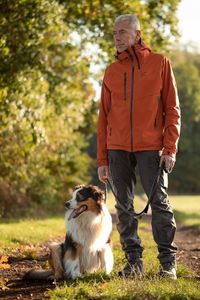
{"x": 103, "y": 173}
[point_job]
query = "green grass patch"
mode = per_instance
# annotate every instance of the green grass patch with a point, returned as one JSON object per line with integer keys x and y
{"x": 102, "y": 286}
{"x": 187, "y": 209}
{"x": 18, "y": 233}
{"x": 110, "y": 203}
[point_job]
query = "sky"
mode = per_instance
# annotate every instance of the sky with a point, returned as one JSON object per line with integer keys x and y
{"x": 189, "y": 22}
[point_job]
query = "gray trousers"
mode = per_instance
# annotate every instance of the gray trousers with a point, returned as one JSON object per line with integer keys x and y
{"x": 122, "y": 170}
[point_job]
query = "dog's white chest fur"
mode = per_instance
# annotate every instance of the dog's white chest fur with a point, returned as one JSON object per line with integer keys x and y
{"x": 92, "y": 233}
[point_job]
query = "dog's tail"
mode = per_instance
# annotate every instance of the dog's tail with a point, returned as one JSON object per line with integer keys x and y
{"x": 55, "y": 261}
{"x": 44, "y": 275}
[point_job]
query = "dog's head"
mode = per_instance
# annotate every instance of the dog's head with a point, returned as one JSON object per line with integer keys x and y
{"x": 85, "y": 198}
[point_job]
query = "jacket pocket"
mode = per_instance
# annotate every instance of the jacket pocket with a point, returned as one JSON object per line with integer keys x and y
{"x": 124, "y": 85}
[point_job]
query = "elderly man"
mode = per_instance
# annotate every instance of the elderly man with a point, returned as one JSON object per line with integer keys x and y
{"x": 139, "y": 124}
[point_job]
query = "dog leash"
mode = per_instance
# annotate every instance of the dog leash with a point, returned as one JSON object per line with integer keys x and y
{"x": 150, "y": 197}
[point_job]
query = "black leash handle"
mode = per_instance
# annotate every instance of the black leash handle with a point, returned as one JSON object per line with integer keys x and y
{"x": 150, "y": 196}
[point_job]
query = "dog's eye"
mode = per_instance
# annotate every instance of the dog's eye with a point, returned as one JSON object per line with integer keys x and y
{"x": 84, "y": 194}
{"x": 79, "y": 197}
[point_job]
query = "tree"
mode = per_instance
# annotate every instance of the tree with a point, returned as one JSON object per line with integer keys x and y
{"x": 185, "y": 177}
{"x": 47, "y": 112}
{"x": 93, "y": 20}
{"x": 45, "y": 96}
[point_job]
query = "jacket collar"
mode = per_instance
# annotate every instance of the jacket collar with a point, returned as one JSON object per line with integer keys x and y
{"x": 136, "y": 52}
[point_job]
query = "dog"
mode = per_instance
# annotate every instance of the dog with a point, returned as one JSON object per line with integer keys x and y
{"x": 87, "y": 245}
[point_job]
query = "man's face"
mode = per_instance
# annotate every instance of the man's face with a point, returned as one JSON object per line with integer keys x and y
{"x": 125, "y": 35}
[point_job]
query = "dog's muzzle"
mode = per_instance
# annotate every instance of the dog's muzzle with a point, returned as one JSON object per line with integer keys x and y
{"x": 77, "y": 211}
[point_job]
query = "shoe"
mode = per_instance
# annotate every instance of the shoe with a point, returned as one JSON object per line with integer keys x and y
{"x": 132, "y": 269}
{"x": 168, "y": 270}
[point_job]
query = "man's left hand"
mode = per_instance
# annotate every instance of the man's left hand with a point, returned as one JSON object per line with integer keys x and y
{"x": 169, "y": 162}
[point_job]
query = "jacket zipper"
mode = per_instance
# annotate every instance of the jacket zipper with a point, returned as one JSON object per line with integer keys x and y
{"x": 132, "y": 90}
{"x": 124, "y": 85}
{"x": 131, "y": 103}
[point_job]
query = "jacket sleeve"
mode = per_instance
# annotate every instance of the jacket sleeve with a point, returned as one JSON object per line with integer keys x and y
{"x": 102, "y": 159}
{"x": 171, "y": 110}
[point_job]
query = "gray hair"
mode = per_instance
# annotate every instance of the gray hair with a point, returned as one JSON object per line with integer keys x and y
{"x": 132, "y": 19}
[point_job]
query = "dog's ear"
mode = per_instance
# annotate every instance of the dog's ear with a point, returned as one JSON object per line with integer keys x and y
{"x": 97, "y": 194}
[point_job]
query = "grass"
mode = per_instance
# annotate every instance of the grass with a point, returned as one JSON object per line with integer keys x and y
{"x": 102, "y": 286}
{"x": 19, "y": 233}
{"x": 187, "y": 209}
{"x": 110, "y": 203}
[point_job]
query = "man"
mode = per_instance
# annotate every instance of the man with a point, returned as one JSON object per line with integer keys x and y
{"x": 139, "y": 124}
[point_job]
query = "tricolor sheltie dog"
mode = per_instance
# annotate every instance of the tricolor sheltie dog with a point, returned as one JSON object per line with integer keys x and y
{"x": 87, "y": 246}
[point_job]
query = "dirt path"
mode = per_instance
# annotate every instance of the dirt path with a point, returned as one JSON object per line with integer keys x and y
{"x": 187, "y": 239}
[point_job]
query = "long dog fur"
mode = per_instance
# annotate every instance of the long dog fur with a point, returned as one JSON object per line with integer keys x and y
{"x": 87, "y": 245}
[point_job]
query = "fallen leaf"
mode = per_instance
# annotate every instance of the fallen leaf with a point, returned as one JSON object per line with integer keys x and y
{"x": 104, "y": 285}
{"x": 4, "y": 262}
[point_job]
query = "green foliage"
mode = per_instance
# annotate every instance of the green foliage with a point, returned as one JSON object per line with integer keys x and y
{"x": 185, "y": 177}
{"x": 22, "y": 28}
{"x": 47, "y": 112}
{"x": 158, "y": 20}
{"x": 45, "y": 99}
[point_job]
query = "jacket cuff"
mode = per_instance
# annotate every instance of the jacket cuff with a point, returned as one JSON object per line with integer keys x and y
{"x": 169, "y": 152}
{"x": 102, "y": 162}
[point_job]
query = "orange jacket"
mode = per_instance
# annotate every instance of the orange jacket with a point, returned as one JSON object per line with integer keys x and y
{"x": 139, "y": 108}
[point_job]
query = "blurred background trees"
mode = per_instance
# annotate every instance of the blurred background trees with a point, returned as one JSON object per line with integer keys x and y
{"x": 186, "y": 176}
{"x": 50, "y": 53}
{"x": 45, "y": 95}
